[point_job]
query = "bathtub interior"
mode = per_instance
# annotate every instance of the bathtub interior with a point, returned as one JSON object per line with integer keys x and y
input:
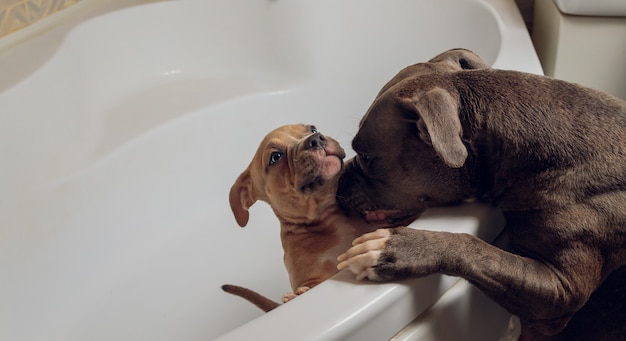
{"x": 146, "y": 232}
{"x": 110, "y": 90}
{"x": 121, "y": 140}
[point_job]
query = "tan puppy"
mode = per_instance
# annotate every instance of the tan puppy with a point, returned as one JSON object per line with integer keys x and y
{"x": 296, "y": 171}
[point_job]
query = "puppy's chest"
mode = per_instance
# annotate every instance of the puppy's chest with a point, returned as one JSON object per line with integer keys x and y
{"x": 346, "y": 234}
{"x": 324, "y": 242}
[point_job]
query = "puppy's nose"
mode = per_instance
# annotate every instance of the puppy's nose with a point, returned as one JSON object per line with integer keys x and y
{"x": 316, "y": 140}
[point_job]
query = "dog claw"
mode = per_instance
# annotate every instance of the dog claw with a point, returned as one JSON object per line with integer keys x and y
{"x": 378, "y": 234}
{"x": 302, "y": 290}
{"x": 361, "y": 264}
{"x": 291, "y": 295}
{"x": 363, "y": 275}
{"x": 288, "y": 297}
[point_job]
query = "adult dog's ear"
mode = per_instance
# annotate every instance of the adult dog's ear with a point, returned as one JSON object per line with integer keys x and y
{"x": 461, "y": 59}
{"x": 241, "y": 197}
{"x": 439, "y": 124}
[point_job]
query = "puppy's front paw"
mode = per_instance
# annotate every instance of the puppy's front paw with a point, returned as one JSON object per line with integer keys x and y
{"x": 291, "y": 295}
{"x": 288, "y": 296}
{"x": 365, "y": 254}
{"x": 302, "y": 290}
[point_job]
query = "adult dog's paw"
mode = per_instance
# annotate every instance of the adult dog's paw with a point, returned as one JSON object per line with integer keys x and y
{"x": 365, "y": 254}
{"x": 391, "y": 254}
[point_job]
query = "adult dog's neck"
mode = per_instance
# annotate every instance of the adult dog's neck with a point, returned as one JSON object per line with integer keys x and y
{"x": 508, "y": 118}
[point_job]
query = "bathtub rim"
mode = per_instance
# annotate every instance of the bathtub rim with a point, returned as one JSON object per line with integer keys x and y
{"x": 392, "y": 299}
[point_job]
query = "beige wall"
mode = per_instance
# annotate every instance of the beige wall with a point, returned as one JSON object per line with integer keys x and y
{"x": 17, "y": 14}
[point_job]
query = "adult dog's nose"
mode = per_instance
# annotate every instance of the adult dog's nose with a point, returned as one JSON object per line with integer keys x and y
{"x": 316, "y": 140}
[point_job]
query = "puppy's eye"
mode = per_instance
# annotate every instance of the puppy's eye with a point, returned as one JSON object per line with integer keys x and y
{"x": 274, "y": 157}
{"x": 313, "y": 129}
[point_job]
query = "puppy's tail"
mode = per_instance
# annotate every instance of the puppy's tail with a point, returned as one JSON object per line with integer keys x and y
{"x": 252, "y": 296}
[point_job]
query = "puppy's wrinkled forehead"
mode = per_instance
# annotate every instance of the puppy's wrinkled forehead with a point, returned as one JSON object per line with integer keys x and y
{"x": 283, "y": 139}
{"x": 287, "y": 135}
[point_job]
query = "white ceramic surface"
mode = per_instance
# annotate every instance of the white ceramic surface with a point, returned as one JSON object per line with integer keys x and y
{"x": 609, "y": 8}
{"x": 124, "y": 127}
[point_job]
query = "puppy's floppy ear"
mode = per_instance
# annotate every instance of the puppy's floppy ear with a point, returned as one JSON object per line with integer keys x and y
{"x": 241, "y": 197}
{"x": 461, "y": 59}
{"x": 439, "y": 124}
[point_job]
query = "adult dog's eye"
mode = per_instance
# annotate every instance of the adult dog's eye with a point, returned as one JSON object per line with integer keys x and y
{"x": 313, "y": 129}
{"x": 363, "y": 160}
{"x": 274, "y": 157}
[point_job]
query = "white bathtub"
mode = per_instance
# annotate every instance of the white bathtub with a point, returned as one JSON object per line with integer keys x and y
{"x": 123, "y": 127}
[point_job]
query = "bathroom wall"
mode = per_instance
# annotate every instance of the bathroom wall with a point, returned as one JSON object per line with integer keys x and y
{"x": 17, "y": 14}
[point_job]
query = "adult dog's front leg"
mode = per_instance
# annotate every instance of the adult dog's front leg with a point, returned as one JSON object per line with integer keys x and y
{"x": 395, "y": 253}
{"x": 542, "y": 295}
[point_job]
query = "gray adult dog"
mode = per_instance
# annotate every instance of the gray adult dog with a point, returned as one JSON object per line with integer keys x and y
{"x": 551, "y": 154}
